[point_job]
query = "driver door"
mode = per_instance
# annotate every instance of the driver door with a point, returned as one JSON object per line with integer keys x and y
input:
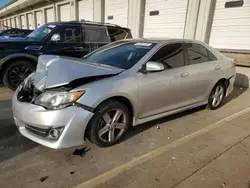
{"x": 163, "y": 91}
{"x": 70, "y": 43}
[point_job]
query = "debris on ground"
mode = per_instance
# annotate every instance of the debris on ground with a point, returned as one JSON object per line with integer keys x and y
{"x": 44, "y": 178}
{"x": 158, "y": 127}
{"x": 81, "y": 152}
{"x": 224, "y": 184}
{"x": 3, "y": 147}
{"x": 72, "y": 172}
{"x": 169, "y": 138}
{"x": 156, "y": 179}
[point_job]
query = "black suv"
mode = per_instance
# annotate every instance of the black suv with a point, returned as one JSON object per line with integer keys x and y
{"x": 76, "y": 38}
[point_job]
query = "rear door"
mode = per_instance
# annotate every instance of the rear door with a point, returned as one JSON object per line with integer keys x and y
{"x": 202, "y": 72}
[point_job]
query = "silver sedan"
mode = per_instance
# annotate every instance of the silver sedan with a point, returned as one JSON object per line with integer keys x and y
{"x": 122, "y": 84}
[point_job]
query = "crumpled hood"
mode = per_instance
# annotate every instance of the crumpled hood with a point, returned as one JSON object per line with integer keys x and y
{"x": 55, "y": 71}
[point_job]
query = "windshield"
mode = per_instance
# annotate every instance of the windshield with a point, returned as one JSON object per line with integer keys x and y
{"x": 41, "y": 32}
{"x": 122, "y": 55}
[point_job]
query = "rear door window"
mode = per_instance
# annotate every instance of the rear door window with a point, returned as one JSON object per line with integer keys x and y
{"x": 197, "y": 53}
{"x": 117, "y": 34}
{"x": 95, "y": 34}
{"x": 71, "y": 34}
{"x": 171, "y": 56}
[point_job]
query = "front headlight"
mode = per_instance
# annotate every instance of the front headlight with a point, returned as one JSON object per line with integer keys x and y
{"x": 58, "y": 100}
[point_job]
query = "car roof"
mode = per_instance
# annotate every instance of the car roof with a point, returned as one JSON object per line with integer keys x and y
{"x": 88, "y": 23}
{"x": 164, "y": 40}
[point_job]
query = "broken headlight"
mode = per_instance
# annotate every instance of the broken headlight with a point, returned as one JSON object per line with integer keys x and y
{"x": 57, "y": 100}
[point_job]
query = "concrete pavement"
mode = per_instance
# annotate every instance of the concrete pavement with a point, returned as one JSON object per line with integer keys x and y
{"x": 214, "y": 152}
{"x": 204, "y": 160}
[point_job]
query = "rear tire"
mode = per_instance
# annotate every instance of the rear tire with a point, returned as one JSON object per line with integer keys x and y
{"x": 16, "y": 72}
{"x": 216, "y": 96}
{"x": 101, "y": 131}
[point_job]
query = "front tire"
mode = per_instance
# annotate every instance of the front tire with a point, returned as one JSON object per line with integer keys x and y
{"x": 16, "y": 72}
{"x": 216, "y": 96}
{"x": 109, "y": 124}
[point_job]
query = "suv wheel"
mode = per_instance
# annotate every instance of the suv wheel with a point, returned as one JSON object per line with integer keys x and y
{"x": 109, "y": 124}
{"x": 16, "y": 72}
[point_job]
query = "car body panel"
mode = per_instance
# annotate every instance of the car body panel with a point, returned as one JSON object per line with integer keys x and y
{"x": 72, "y": 69}
{"x": 36, "y": 116}
{"x": 152, "y": 95}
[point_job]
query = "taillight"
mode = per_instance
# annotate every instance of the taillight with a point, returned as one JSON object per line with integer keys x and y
{"x": 232, "y": 63}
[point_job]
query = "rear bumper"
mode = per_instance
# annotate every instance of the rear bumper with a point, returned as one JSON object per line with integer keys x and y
{"x": 230, "y": 85}
{"x": 74, "y": 121}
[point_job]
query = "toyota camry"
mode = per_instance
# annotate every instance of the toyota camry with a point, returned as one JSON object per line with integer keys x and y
{"x": 123, "y": 84}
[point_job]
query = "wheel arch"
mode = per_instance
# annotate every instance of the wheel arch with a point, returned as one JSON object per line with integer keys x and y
{"x": 11, "y": 58}
{"x": 224, "y": 81}
{"x": 125, "y": 100}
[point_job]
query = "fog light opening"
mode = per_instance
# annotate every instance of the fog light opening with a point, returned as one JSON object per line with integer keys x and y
{"x": 54, "y": 133}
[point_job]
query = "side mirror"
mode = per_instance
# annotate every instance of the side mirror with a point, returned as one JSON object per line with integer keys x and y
{"x": 152, "y": 66}
{"x": 55, "y": 38}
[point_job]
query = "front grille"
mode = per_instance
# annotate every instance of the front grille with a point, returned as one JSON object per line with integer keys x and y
{"x": 37, "y": 131}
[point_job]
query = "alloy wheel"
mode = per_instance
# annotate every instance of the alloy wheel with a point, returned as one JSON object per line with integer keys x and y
{"x": 18, "y": 74}
{"x": 217, "y": 96}
{"x": 112, "y": 125}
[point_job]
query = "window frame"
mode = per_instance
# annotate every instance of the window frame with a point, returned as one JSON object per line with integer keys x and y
{"x": 162, "y": 46}
{"x": 207, "y": 50}
{"x": 108, "y": 28}
{"x": 62, "y": 29}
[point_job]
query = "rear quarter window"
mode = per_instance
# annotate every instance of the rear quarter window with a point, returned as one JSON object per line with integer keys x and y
{"x": 118, "y": 34}
{"x": 197, "y": 53}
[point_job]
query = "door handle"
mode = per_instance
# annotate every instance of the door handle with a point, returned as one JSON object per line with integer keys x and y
{"x": 78, "y": 48}
{"x": 184, "y": 74}
{"x": 217, "y": 67}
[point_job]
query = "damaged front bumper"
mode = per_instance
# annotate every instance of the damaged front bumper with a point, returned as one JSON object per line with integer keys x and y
{"x": 35, "y": 122}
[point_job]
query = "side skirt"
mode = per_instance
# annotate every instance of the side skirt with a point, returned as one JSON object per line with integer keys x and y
{"x": 168, "y": 113}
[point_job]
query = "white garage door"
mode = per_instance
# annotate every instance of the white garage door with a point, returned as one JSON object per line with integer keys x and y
{"x": 12, "y": 22}
{"x": 116, "y": 12}
{"x": 38, "y": 17}
{"x": 30, "y": 21}
{"x": 23, "y": 22}
{"x": 165, "y": 18}
{"x": 85, "y": 10}
{"x": 49, "y": 15}
{"x": 8, "y": 23}
{"x": 17, "y": 22}
{"x": 231, "y": 26}
{"x": 64, "y": 12}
